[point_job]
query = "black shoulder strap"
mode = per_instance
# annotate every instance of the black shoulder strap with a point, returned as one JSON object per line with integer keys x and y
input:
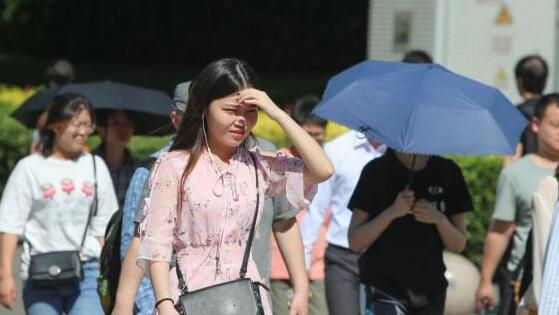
{"x": 253, "y": 226}
{"x": 93, "y": 207}
{"x": 182, "y": 282}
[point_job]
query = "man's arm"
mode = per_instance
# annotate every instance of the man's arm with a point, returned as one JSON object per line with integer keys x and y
{"x": 131, "y": 274}
{"x": 451, "y": 230}
{"x": 132, "y": 202}
{"x": 362, "y": 233}
{"x": 496, "y": 243}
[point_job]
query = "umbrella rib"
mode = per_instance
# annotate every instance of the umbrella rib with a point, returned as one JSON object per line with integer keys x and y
{"x": 414, "y": 109}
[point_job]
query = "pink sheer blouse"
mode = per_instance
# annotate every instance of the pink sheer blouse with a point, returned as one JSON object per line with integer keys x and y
{"x": 210, "y": 231}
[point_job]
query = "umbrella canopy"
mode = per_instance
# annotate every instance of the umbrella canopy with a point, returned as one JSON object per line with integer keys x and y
{"x": 29, "y": 111}
{"x": 422, "y": 109}
{"x": 149, "y": 108}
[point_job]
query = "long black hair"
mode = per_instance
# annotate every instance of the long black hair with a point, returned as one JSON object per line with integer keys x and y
{"x": 62, "y": 108}
{"x": 218, "y": 79}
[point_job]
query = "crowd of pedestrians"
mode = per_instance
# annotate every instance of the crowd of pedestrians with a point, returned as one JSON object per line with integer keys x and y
{"x": 348, "y": 226}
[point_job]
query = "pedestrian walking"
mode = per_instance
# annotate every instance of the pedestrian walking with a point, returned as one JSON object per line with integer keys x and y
{"x": 59, "y": 201}
{"x": 205, "y": 196}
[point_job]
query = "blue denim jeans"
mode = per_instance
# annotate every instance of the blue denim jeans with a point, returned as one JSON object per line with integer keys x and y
{"x": 71, "y": 299}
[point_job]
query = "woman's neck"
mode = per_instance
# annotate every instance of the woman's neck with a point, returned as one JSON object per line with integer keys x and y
{"x": 60, "y": 154}
{"x": 224, "y": 154}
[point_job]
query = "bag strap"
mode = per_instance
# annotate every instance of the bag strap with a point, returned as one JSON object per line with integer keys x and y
{"x": 182, "y": 282}
{"x": 93, "y": 207}
{"x": 253, "y": 227}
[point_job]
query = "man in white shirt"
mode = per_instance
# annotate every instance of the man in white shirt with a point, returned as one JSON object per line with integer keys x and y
{"x": 349, "y": 153}
{"x": 549, "y": 297}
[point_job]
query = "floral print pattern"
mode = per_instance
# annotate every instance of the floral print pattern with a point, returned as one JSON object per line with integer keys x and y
{"x": 210, "y": 231}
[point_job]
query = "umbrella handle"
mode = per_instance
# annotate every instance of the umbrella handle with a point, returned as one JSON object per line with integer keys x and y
{"x": 412, "y": 173}
{"x": 411, "y": 180}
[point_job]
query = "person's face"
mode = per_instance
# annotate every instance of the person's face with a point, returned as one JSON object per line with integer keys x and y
{"x": 119, "y": 129}
{"x": 229, "y": 122}
{"x": 316, "y": 131}
{"x": 71, "y": 135}
{"x": 547, "y": 129}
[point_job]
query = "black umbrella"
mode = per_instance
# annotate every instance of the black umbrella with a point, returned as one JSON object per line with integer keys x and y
{"x": 149, "y": 108}
{"x": 28, "y": 112}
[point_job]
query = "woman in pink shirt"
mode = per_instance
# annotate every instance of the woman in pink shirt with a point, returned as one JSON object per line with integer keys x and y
{"x": 203, "y": 192}
{"x": 280, "y": 283}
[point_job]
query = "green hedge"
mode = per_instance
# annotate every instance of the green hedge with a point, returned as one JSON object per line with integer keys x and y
{"x": 14, "y": 144}
{"x": 480, "y": 174}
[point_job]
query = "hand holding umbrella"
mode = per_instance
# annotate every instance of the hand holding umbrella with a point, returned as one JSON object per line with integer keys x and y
{"x": 403, "y": 204}
{"x": 424, "y": 212}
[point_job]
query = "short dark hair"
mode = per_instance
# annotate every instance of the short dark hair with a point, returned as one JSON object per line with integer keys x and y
{"x": 417, "y": 56}
{"x": 532, "y": 71}
{"x": 62, "y": 108}
{"x": 544, "y": 102}
{"x": 302, "y": 111}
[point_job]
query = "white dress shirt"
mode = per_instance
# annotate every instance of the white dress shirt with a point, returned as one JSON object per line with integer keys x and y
{"x": 349, "y": 153}
{"x": 549, "y": 296}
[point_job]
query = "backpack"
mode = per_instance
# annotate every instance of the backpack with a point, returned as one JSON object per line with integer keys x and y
{"x": 110, "y": 262}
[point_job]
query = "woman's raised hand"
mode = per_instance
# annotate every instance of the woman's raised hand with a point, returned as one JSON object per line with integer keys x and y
{"x": 251, "y": 96}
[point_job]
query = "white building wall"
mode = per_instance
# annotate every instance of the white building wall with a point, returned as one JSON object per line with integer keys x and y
{"x": 464, "y": 35}
{"x": 480, "y": 48}
{"x": 381, "y": 30}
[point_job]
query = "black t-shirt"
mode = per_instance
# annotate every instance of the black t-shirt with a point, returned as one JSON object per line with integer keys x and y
{"x": 528, "y": 138}
{"x": 406, "y": 260}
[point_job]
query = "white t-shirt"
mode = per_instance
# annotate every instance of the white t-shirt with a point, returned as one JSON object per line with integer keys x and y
{"x": 47, "y": 201}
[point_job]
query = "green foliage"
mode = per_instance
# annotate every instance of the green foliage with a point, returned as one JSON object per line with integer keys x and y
{"x": 7, "y": 10}
{"x": 14, "y": 144}
{"x": 481, "y": 174}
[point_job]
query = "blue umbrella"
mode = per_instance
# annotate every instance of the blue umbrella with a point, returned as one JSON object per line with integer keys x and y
{"x": 422, "y": 109}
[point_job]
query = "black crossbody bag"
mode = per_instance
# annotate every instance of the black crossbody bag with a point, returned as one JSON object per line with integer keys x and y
{"x": 62, "y": 267}
{"x": 237, "y": 297}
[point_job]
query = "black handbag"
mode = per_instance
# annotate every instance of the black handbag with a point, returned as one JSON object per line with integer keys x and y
{"x": 61, "y": 267}
{"x": 237, "y": 297}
